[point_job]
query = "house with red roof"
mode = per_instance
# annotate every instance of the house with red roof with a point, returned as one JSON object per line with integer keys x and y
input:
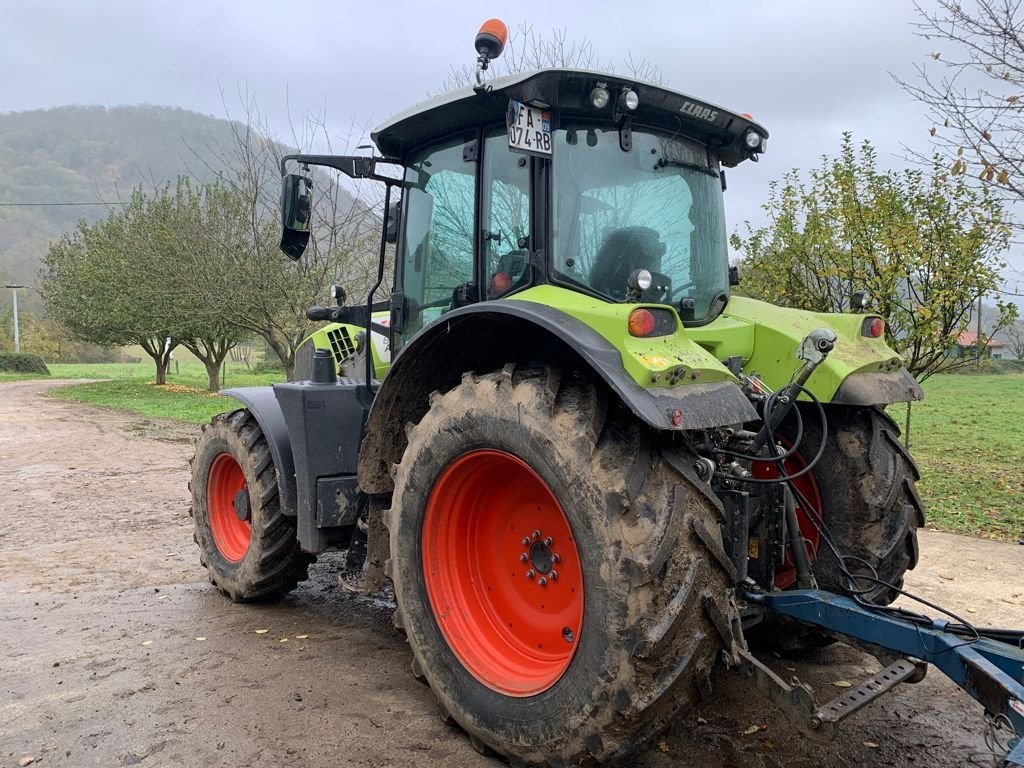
{"x": 967, "y": 347}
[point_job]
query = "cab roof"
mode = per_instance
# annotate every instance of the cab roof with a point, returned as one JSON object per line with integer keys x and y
{"x": 567, "y": 93}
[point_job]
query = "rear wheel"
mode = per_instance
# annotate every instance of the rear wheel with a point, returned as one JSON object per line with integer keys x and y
{"x": 869, "y": 501}
{"x": 247, "y": 544}
{"x": 554, "y": 568}
{"x": 863, "y": 489}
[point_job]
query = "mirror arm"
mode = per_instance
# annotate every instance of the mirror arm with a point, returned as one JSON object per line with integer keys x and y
{"x": 353, "y": 166}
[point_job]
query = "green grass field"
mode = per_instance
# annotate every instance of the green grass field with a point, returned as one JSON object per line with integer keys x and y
{"x": 966, "y": 442}
{"x": 131, "y": 388}
{"x": 964, "y": 435}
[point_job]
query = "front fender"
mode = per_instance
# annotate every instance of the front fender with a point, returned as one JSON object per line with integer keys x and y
{"x": 484, "y": 337}
{"x": 262, "y": 403}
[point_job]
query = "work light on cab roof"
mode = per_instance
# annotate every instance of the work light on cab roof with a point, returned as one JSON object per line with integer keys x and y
{"x": 490, "y": 42}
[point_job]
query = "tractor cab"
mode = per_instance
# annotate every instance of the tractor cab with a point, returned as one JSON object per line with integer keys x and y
{"x": 601, "y": 185}
{"x": 606, "y": 186}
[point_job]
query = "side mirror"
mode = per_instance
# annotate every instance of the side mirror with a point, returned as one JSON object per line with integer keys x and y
{"x": 296, "y": 214}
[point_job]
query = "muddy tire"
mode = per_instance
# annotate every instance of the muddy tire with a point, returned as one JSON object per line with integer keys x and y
{"x": 249, "y": 547}
{"x": 507, "y": 471}
{"x": 867, "y": 482}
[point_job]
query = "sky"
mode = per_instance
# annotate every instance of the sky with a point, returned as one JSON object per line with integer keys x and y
{"x": 806, "y": 69}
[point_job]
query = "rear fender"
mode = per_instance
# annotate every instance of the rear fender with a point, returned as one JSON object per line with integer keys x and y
{"x": 483, "y": 337}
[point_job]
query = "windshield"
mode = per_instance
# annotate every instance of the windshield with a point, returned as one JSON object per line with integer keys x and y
{"x": 658, "y": 207}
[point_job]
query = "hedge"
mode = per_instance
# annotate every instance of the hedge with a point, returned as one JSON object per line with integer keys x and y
{"x": 19, "y": 362}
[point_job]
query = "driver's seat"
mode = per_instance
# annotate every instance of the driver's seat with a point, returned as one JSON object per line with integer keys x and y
{"x": 624, "y": 250}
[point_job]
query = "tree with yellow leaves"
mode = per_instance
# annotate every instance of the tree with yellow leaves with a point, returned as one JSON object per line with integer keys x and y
{"x": 925, "y": 246}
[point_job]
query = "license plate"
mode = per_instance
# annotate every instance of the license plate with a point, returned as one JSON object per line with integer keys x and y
{"x": 529, "y": 129}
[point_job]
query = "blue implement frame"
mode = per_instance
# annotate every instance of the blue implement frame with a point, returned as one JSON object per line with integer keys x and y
{"x": 990, "y": 670}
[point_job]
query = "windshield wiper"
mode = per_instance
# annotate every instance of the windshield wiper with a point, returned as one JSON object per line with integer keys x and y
{"x": 664, "y": 163}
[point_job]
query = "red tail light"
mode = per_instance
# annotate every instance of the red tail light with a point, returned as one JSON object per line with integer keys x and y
{"x": 873, "y": 327}
{"x": 641, "y": 322}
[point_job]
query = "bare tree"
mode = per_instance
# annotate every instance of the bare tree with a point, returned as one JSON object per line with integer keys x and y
{"x": 1015, "y": 338}
{"x": 263, "y": 292}
{"x": 973, "y": 86}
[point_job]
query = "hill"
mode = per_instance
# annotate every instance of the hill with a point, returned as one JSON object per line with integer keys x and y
{"x": 92, "y": 155}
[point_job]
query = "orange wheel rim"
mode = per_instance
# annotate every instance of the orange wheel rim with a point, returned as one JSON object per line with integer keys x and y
{"x": 785, "y": 574}
{"x": 502, "y": 572}
{"x": 227, "y": 504}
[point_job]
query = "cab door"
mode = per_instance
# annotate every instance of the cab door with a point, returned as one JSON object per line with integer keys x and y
{"x": 466, "y": 230}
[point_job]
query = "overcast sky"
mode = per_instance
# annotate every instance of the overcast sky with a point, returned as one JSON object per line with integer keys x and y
{"x": 806, "y": 69}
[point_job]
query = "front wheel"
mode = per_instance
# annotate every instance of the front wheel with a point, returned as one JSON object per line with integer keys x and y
{"x": 249, "y": 547}
{"x": 553, "y": 568}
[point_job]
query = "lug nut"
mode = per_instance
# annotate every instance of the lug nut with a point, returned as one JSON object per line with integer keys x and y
{"x": 542, "y": 581}
{"x": 548, "y": 542}
{"x": 526, "y": 542}
{"x": 530, "y": 574}
{"x": 555, "y": 558}
{"x": 553, "y": 575}
{"x": 523, "y": 557}
{"x": 536, "y": 534}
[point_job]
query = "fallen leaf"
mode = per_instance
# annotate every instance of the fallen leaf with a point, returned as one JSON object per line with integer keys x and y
{"x": 147, "y": 642}
{"x": 751, "y": 729}
{"x": 22, "y": 591}
{"x": 791, "y": 669}
{"x": 871, "y": 745}
{"x": 702, "y": 721}
{"x": 200, "y": 639}
{"x": 283, "y": 640}
{"x": 302, "y": 637}
{"x": 842, "y": 684}
{"x": 767, "y": 743}
{"x": 163, "y": 597}
{"x": 945, "y": 576}
{"x": 972, "y": 610}
{"x": 262, "y": 631}
{"x": 663, "y": 746}
{"x": 170, "y": 554}
{"x": 26, "y": 760}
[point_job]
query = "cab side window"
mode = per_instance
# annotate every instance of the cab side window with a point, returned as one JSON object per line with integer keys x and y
{"x": 437, "y": 246}
{"x": 505, "y": 217}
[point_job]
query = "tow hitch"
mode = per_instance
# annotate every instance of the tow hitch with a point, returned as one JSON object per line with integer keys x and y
{"x": 987, "y": 664}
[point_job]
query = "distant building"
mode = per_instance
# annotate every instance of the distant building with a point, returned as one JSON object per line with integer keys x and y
{"x": 967, "y": 347}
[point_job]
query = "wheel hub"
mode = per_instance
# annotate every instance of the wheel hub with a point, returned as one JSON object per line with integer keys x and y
{"x": 241, "y": 505}
{"x": 502, "y": 572}
{"x": 228, "y": 508}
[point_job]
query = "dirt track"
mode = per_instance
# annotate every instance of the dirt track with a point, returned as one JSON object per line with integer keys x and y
{"x": 102, "y": 601}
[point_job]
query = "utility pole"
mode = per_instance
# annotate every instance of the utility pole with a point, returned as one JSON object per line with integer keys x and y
{"x": 977, "y": 340}
{"x": 17, "y": 335}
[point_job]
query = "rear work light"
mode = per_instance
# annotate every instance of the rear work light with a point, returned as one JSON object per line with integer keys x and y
{"x": 651, "y": 321}
{"x": 872, "y": 327}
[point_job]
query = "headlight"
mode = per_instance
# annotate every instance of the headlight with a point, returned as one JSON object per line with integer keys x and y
{"x": 640, "y": 279}
{"x": 629, "y": 99}
{"x": 753, "y": 140}
{"x": 599, "y": 97}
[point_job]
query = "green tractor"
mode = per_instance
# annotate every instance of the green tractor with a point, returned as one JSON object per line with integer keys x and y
{"x": 568, "y": 447}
